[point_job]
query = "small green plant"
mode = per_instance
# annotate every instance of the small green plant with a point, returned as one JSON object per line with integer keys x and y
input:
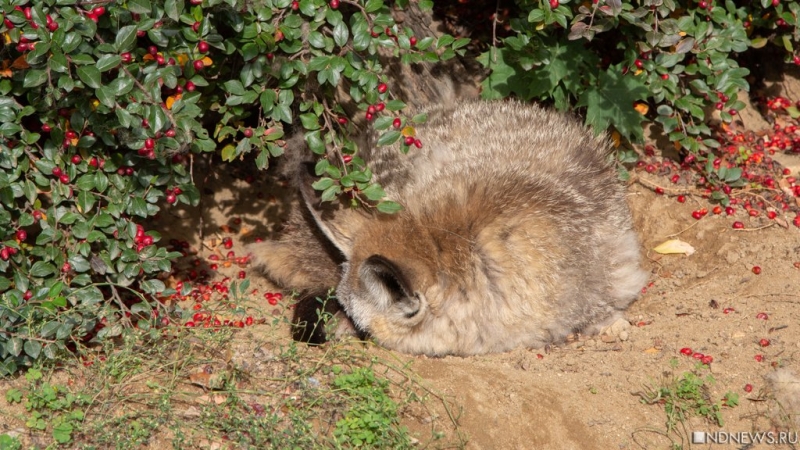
{"x": 51, "y": 406}
{"x": 9, "y": 443}
{"x": 371, "y": 420}
{"x": 689, "y": 396}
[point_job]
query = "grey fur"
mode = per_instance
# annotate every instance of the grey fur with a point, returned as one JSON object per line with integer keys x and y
{"x": 515, "y": 232}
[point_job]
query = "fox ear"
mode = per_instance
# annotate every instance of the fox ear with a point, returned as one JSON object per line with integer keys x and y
{"x": 340, "y": 225}
{"x": 388, "y": 280}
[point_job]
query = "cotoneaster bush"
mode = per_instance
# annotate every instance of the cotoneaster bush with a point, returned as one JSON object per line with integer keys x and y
{"x": 103, "y": 106}
{"x": 623, "y": 63}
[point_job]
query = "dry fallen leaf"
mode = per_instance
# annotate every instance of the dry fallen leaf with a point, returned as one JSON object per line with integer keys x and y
{"x": 673, "y": 246}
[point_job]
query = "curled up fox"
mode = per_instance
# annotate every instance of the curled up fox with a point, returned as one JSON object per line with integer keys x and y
{"x": 514, "y": 232}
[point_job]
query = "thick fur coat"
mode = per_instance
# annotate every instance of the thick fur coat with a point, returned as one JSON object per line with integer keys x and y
{"x": 514, "y": 232}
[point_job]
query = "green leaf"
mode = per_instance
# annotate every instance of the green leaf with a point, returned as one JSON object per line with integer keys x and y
{"x": 374, "y": 192}
{"x": 62, "y": 432}
{"x": 373, "y": 5}
{"x": 341, "y": 34}
{"x": 228, "y": 153}
{"x": 323, "y": 183}
{"x": 611, "y": 101}
{"x": 33, "y": 348}
{"x": 174, "y": 9}
{"x": 126, "y": 36}
{"x": 152, "y": 286}
{"x": 14, "y": 346}
{"x": 90, "y": 76}
{"x": 49, "y": 329}
{"x": 108, "y": 62}
{"x": 389, "y": 207}
{"x": 139, "y": 6}
{"x": 389, "y": 137}
{"x": 331, "y": 193}
{"x": 106, "y": 96}
{"x": 310, "y": 121}
{"x": 42, "y": 269}
{"x": 34, "y": 78}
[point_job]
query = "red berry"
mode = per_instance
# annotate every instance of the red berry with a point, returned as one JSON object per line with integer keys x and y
{"x": 412, "y": 40}
{"x": 382, "y": 88}
{"x": 295, "y": 5}
{"x": 198, "y": 65}
{"x": 729, "y": 211}
{"x": 227, "y": 243}
{"x": 126, "y": 57}
{"x": 70, "y": 135}
{"x": 149, "y": 143}
{"x": 697, "y": 215}
{"x": 64, "y": 178}
{"x": 733, "y": 112}
{"x": 202, "y": 47}
{"x": 4, "y": 254}
{"x": 66, "y": 267}
{"x": 99, "y": 11}
{"x": 248, "y": 321}
{"x": 171, "y": 198}
{"x": 759, "y": 358}
{"x": 756, "y": 270}
{"x": 748, "y": 387}
{"x": 638, "y": 63}
{"x": 707, "y": 359}
{"x": 762, "y": 316}
{"x": 248, "y": 132}
{"x": 46, "y": 128}
{"x": 776, "y": 2}
{"x": 76, "y": 159}
{"x": 728, "y": 310}
{"x": 737, "y": 225}
{"x": 189, "y": 86}
{"x": 409, "y": 140}
{"x": 195, "y": 26}
{"x": 553, "y": 4}
{"x": 681, "y": 198}
{"x": 242, "y": 275}
{"x": 342, "y": 120}
{"x": 22, "y": 235}
{"x": 665, "y": 76}
{"x": 764, "y": 342}
{"x": 772, "y": 214}
{"x": 334, "y": 4}
{"x": 27, "y": 296}
{"x": 145, "y": 123}
{"x": 697, "y": 355}
{"x": 686, "y": 351}
{"x": 659, "y": 191}
{"x": 397, "y": 122}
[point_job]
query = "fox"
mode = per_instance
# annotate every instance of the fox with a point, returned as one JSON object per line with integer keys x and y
{"x": 514, "y": 232}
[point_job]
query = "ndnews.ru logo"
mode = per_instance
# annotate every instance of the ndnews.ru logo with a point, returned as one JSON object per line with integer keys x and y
{"x": 745, "y": 437}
